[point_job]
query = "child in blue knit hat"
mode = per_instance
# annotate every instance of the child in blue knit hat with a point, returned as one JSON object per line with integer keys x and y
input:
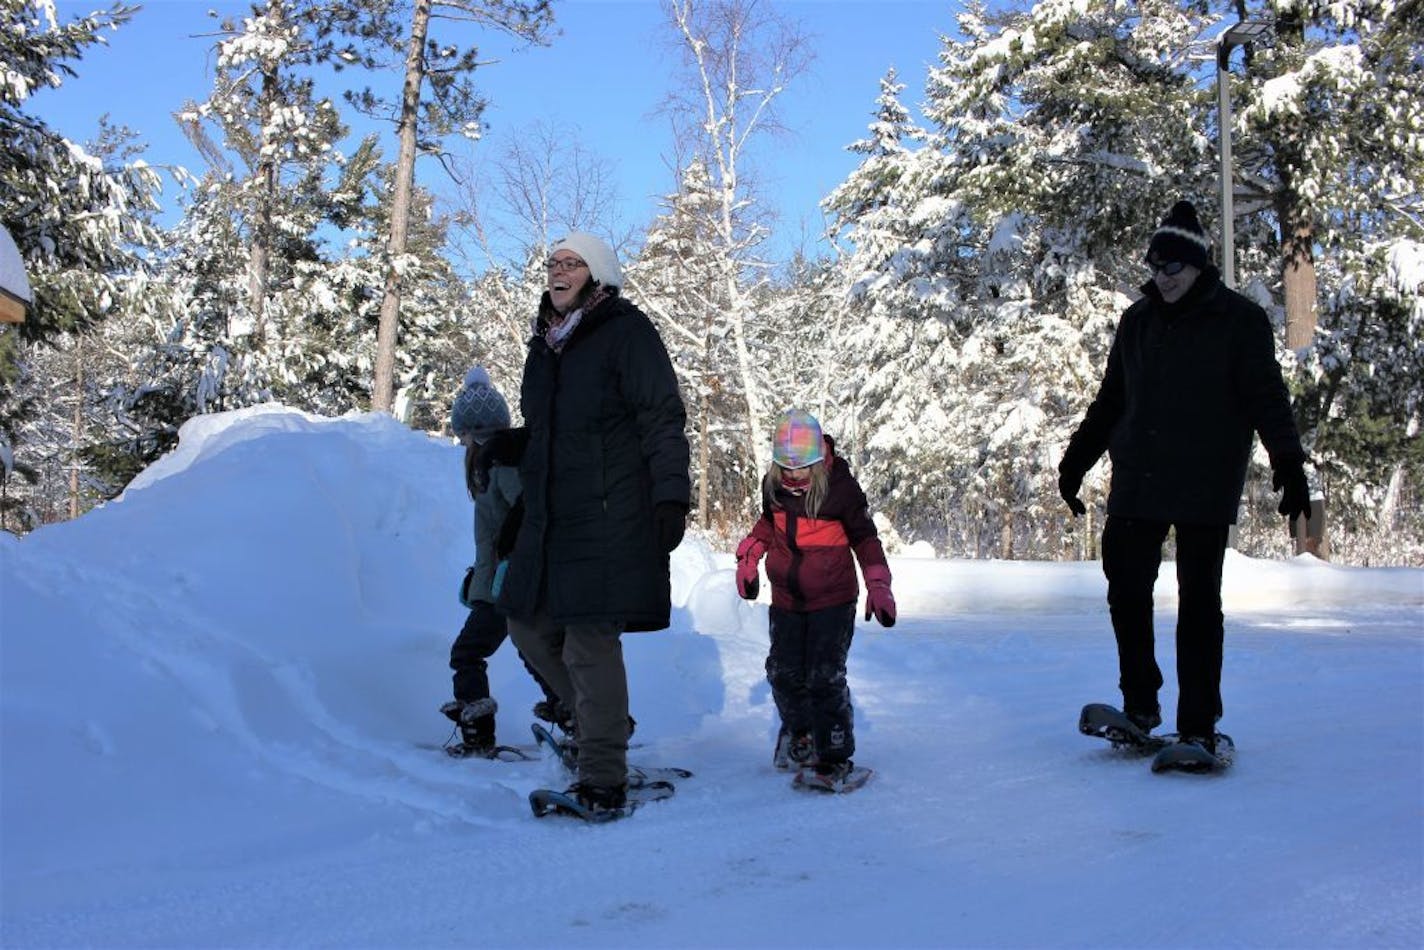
{"x": 815, "y": 524}
{"x": 478, "y": 412}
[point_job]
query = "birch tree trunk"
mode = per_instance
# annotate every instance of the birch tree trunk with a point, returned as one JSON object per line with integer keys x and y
{"x": 740, "y": 58}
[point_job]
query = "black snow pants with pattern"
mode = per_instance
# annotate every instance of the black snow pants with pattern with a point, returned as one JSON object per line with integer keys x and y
{"x": 807, "y": 672}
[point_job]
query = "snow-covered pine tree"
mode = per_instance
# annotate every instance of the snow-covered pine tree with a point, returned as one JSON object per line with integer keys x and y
{"x": 899, "y": 352}
{"x": 269, "y": 141}
{"x": 441, "y": 325}
{"x": 262, "y": 301}
{"x": 436, "y": 99}
{"x": 1331, "y": 149}
{"x": 81, "y": 219}
{"x": 676, "y": 280}
{"x": 1057, "y": 137}
{"x": 1068, "y": 129}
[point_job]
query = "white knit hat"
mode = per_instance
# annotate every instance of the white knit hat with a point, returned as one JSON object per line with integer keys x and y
{"x": 595, "y": 252}
{"x": 479, "y": 409}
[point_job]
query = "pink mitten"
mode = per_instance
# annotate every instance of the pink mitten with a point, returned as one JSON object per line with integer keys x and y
{"x": 749, "y": 555}
{"x": 879, "y": 601}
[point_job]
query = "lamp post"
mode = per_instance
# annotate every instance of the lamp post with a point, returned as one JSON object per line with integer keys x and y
{"x": 1238, "y": 34}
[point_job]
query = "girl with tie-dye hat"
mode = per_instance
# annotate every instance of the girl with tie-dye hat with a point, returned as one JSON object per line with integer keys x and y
{"x": 814, "y": 524}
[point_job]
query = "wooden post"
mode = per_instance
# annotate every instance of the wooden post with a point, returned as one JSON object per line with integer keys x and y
{"x": 12, "y": 308}
{"x": 1309, "y": 536}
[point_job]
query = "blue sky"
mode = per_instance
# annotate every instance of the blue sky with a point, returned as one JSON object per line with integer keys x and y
{"x": 603, "y": 77}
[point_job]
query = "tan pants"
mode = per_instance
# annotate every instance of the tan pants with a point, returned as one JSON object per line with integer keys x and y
{"x": 583, "y": 662}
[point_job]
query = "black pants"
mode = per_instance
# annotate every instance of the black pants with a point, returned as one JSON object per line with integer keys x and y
{"x": 483, "y": 632}
{"x": 807, "y": 671}
{"x": 1132, "y": 555}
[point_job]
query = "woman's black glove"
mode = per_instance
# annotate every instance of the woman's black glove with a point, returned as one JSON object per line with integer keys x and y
{"x": 670, "y": 521}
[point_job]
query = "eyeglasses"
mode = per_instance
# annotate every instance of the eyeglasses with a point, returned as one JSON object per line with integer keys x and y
{"x": 1171, "y": 268}
{"x": 556, "y": 265}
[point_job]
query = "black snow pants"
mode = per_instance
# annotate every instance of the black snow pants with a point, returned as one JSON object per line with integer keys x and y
{"x": 483, "y": 632}
{"x": 1132, "y": 555}
{"x": 807, "y": 672}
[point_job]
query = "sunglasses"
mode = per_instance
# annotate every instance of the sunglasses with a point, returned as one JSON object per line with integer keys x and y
{"x": 1171, "y": 268}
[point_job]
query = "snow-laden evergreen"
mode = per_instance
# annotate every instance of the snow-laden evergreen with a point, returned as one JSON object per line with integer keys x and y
{"x": 1333, "y": 137}
{"x": 80, "y": 215}
{"x": 677, "y": 279}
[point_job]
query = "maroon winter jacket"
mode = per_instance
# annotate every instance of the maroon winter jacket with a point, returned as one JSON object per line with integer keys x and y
{"x": 808, "y": 560}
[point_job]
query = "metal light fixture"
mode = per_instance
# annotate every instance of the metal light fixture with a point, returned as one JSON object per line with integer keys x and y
{"x": 1239, "y": 34}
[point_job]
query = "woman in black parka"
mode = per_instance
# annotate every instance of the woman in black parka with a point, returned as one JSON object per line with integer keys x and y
{"x": 603, "y": 458}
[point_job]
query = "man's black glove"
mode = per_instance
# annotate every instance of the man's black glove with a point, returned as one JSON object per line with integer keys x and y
{"x": 670, "y": 521}
{"x": 1289, "y": 480}
{"x": 1068, "y": 485}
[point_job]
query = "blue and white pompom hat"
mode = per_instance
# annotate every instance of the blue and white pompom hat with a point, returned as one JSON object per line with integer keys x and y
{"x": 479, "y": 410}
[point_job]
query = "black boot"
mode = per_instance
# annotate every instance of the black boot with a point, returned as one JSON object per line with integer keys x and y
{"x": 1145, "y": 719}
{"x": 600, "y": 798}
{"x": 793, "y": 751}
{"x": 475, "y": 720}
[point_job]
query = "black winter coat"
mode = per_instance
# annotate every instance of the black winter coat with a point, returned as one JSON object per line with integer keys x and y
{"x": 604, "y": 442}
{"x": 1186, "y": 386}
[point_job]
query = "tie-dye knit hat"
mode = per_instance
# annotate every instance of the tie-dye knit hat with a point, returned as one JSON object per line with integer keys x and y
{"x": 797, "y": 442}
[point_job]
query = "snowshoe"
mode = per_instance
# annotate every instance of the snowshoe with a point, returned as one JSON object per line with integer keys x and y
{"x": 831, "y": 777}
{"x": 597, "y": 806}
{"x": 1196, "y": 754}
{"x": 1102, "y": 721}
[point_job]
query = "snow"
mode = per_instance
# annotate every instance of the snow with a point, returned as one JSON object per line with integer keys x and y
{"x": 216, "y": 691}
{"x": 1405, "y": 266}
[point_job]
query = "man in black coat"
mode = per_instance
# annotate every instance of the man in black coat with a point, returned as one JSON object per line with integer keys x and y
{"x": 603, "y": 458}
{"x": 1191, "y": 376}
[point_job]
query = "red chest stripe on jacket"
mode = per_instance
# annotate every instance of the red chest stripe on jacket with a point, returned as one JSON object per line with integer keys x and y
{"x": 813, "y": 532}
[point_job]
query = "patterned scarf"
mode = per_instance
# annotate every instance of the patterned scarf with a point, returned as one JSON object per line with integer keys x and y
{"x": 558, "y": 333}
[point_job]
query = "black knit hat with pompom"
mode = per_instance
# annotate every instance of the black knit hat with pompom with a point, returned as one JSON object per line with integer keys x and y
{"x": 1180, "y": 237}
